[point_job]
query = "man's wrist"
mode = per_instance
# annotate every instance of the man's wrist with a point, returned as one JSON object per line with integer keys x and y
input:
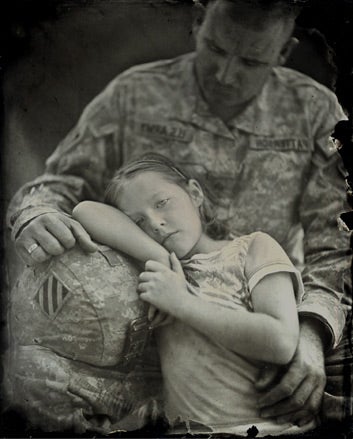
{"x": 313, "y": 329}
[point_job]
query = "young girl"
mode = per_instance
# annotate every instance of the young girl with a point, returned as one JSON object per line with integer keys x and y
{"x": 232, "y": 301}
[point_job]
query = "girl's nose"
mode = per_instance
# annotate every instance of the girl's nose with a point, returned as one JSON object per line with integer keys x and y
{"x": 157, "y": 223}
{"x": 159, "y": 226}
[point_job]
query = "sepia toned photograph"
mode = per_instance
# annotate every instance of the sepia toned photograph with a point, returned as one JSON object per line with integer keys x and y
{"x": 177, "y": 198}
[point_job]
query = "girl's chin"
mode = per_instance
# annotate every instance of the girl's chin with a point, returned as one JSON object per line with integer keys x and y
{"x": 185, "y": 255}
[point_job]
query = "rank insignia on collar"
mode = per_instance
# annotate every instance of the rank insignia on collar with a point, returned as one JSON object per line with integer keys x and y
{"x": 51, "y": 296}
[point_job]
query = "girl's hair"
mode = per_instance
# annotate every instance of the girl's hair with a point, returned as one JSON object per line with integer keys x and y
{"x": 158, "y": 163}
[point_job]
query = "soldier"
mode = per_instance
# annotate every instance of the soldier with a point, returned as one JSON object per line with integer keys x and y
{"x": 82, "y": 357}
{"x": 259, "y": 134}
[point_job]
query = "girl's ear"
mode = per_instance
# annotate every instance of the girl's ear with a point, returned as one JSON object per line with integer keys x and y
{"x": 195, "y": 192}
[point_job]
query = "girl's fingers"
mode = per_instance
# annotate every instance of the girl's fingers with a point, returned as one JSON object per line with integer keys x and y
{"x": 145, "y": 297}
{"x": 161, "y": 319}
{"x": 142, "y": 287}
{"x": 145, "y": 276}
{"x": 158, "y": 318}
{"x": 175, "y": 263}
{"x": 152, "y": 312}
{"x": 167, "y": 319}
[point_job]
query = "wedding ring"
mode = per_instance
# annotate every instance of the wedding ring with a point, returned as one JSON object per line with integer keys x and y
{"x": 32, "y": 247}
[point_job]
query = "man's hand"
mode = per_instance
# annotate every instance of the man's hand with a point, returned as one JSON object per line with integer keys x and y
{"x": 297, "y": 396}
{"x": 163, "y": 287}
{"x": 50, "y": 235}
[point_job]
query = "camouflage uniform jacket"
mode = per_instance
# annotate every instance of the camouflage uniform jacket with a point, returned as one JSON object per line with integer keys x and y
{"x": 271, "y": 168}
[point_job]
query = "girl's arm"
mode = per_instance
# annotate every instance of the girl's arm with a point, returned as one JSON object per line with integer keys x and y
{"x": 269, "y": 334}
{"x": 112, "y": 227}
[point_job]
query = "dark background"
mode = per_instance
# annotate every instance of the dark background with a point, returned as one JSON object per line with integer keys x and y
{"x": 57, "y": 55}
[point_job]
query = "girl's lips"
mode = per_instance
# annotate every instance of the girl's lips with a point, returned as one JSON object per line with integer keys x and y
{"x": 167, "y": 237}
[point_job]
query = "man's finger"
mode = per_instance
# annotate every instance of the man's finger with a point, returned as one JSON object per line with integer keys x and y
{"x": 315, "y": 400}
{"x": 283, "y": 390}
{"x": 27, "y": 258}
{"x": 294, "y": 403}
{"x": 38, "y": 256}
{"x": 300, "y": 418}
{"x": 306, "y": 420}
{"x": 83, "y": 237}
{"x": 48, "y": 243}
{"x": 175, "y": 263}
{"x": 52, "y": 234}
{"x": 61, "y": 229}
{"x": 268, "y": 375}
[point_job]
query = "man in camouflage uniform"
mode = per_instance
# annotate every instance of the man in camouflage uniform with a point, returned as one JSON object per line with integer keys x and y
{"x": 259, "y": 135}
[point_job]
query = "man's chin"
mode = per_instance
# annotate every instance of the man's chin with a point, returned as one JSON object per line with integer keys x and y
{"x": 229, "y": 99}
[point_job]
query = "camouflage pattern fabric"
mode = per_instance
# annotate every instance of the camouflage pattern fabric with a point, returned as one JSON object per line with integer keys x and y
{"x": 83, "y": 357}
{"x": 272, "y": 168}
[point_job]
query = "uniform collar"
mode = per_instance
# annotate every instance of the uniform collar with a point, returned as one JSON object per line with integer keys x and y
{"x": 196, "y": 108}
{"x": 256, "y": 118}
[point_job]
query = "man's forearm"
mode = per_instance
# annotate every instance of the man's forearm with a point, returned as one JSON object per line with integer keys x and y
{"x": 46, "y": 194}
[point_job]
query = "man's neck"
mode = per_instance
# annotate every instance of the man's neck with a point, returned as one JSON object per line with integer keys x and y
{"x": 226, "y": 114}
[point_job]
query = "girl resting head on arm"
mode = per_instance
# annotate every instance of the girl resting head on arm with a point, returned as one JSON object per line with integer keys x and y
{"x": 238, "y": 301}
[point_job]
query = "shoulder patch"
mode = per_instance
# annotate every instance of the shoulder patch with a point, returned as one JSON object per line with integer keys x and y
{"x": 51, "y": 296}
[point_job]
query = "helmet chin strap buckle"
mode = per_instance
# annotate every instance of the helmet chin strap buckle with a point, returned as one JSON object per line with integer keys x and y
{"x": 136, "y": 340}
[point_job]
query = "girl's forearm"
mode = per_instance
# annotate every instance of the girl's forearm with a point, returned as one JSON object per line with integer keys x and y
{"x": 112, "y": 227}
{"x": 254, "y": 335}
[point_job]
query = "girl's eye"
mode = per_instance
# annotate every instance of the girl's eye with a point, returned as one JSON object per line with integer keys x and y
{"x": 162, "y": 203}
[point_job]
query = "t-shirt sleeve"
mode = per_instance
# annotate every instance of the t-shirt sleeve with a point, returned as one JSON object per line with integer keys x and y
{"x": 265, "y": 256}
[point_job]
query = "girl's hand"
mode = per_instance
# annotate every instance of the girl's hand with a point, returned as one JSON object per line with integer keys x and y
{"x": 163, "y": 287}
{"x": 158, "y": 318}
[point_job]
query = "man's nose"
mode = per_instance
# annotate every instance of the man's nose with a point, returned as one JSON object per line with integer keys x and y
{"x": 228, "y": 70}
